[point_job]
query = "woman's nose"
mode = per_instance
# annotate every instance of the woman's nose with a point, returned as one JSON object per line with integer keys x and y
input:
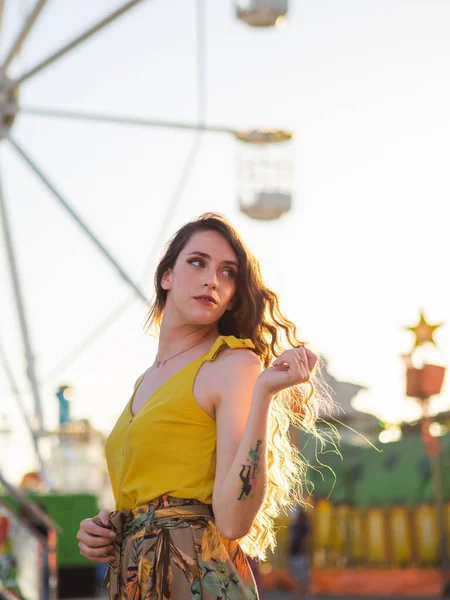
{"x": 211, "y": 281}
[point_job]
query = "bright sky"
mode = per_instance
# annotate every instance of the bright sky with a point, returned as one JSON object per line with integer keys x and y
{"x": 365, "y": 86}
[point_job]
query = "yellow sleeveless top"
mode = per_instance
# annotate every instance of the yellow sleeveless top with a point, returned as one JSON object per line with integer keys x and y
{"x": 169, "y": 446}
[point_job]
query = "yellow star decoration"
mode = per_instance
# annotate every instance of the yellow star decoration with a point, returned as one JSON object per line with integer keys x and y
{"x": 423, "y": 331}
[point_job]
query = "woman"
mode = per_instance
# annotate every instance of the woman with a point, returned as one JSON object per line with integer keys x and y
{"x": 200, "y": 457}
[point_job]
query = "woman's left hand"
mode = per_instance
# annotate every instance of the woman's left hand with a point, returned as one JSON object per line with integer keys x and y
{"x": 293, "y": 367}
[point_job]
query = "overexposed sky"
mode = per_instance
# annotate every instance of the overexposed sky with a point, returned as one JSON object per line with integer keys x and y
{"x": 364, "y": 85}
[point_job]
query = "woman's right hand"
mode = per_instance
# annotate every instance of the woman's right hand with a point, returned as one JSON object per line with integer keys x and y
{"x": 95, "y": 539}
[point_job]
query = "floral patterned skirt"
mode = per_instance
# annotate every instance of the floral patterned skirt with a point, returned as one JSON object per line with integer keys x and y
{"x": 171, "y": 549}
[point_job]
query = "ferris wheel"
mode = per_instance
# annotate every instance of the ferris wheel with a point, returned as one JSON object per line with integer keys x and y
{"x": 264, "y": 177}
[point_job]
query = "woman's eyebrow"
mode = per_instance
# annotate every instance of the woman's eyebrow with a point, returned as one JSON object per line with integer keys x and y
{"x": 207, "y": 256}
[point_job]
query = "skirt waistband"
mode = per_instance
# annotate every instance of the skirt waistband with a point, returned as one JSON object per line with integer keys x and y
{"x": 165, "y": 512}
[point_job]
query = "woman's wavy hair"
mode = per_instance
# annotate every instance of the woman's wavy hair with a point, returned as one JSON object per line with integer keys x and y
{"x": 256, "y": 315}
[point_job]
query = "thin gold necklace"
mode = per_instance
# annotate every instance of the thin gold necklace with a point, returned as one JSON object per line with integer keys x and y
{"x": 163, "y": 362}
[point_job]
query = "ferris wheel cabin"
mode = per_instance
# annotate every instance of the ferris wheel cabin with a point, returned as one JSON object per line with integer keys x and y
{"x": 262, "y": 13}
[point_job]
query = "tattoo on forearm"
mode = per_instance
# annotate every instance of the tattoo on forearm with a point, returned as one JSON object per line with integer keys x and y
{"x": 250, "y": 470}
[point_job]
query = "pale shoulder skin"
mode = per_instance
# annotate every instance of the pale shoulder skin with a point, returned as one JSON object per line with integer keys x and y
{"x": 234, "y": 389}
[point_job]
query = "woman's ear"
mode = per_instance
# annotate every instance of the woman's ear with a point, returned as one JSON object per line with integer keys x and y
{"x": 166, "y": 280}
{"x": 230, "y": 305}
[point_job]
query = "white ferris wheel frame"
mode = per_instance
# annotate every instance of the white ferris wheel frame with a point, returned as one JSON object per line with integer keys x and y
{"x": 10, "y": 107}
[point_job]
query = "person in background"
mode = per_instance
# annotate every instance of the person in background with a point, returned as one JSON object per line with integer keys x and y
{"x": 256, "y": 570}
{"x": 299, "y": 548}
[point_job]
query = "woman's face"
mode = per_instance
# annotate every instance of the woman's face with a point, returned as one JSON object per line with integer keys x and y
{"x": 202, "y": 283}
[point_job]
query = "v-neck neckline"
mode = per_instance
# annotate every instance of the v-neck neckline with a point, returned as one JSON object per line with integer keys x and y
{"x": 130, "y": 403}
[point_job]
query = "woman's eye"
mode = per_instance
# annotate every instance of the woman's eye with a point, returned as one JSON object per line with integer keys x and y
{"x": 197, "y": 262}
{"x": 230, "y": 273}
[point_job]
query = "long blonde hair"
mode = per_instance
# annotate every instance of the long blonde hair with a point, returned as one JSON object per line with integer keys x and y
{"x": 256, "y": 314}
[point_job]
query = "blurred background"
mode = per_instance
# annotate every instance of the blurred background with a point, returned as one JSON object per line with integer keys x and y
{"x": 321, "y": 130}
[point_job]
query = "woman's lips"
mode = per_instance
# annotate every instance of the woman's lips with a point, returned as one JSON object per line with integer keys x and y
{"x": 205, "y": 301}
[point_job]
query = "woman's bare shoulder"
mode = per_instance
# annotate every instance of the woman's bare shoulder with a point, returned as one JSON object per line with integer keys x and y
{"x": 233, "y": 356}
{"x": 230, "y": 361}
{"x": 231, "y": 370}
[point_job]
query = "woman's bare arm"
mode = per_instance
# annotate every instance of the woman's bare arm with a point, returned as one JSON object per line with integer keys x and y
{"x": 245, "y": 394}
{"x": 241, "y": 467}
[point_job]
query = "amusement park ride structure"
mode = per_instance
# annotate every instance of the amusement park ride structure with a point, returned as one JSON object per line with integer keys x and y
{"x": 262, "y": 13}
{"x": 265, "y": 180}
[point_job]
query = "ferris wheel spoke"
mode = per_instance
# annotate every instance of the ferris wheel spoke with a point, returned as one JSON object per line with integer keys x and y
{"x": 78, "y": 219}
{"x": 34, "y": 433}
{"x": 120, "y": 120}
{"x": 77, "y": 41}
{"x": 21, "y": 309}
{"x": 23, "y": 34}
{"x": 2, "y": 10}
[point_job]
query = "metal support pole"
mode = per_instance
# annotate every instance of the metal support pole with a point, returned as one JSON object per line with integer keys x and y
{"x": 29, "y": 356}
{"x": 202, "y": 95}
{"x": 2, "y": 10}
{"x": 79, "y": 221}
{"x": 442, "y": 524}
{"x": 438, "y": 497}
{"x": 33, "y": 433}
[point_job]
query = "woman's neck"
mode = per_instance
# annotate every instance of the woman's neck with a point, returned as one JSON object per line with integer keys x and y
{"x": 174, "y": 339}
